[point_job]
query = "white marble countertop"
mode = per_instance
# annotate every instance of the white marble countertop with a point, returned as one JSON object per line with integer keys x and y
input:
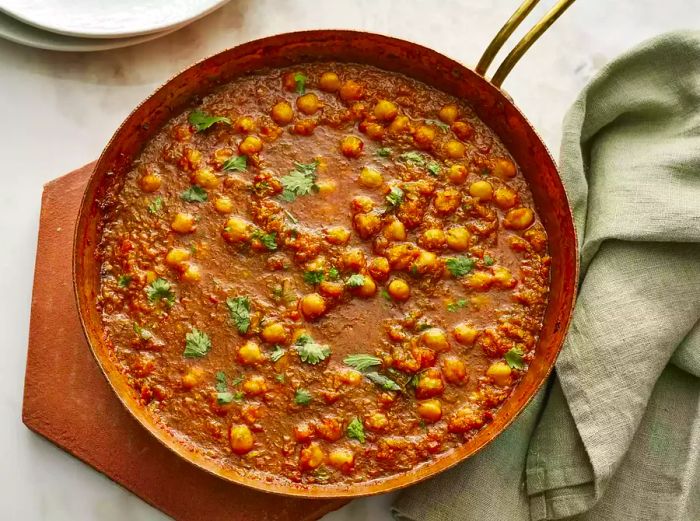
{"x": 71, "y": 104}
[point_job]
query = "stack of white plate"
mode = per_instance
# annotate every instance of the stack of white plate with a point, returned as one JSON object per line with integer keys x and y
{"x": 96, "y": 25}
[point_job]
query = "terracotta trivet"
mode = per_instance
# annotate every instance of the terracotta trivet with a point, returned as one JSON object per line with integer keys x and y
{"x": 68, "y": 401}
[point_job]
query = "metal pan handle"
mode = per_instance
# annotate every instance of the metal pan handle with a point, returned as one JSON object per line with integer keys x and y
{"x": 524, "y": 44}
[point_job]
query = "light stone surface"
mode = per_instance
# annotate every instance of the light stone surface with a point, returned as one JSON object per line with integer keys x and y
{"x": 58, "y": 110}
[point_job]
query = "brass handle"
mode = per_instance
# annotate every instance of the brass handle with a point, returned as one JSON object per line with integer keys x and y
{"x": 524, "y": 44}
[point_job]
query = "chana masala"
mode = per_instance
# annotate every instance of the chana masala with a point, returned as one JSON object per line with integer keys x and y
{"x": 325, "y": 274}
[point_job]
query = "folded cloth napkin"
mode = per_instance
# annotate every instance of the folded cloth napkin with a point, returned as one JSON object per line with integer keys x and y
{"x": 616, "y": 435}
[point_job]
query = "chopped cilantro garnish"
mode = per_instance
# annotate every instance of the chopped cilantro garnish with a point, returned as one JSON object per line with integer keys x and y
{"x": 395, "y": 196}
{"x": 221, "y": 384}
{"x": 160, "y": 289}
{"x": 355, "y": 281}
{"x": 355, "y": 430}
{"x": 412, "y": 157}
{"x": 239, "y": 311}
{"x": 361, "y": 362}
{"x": 488, "y": 261}
{"x": 277, "y": 353}
{"x": 423, "y": 326}
{"x": 197, "y": 344}
{"x": 300, "y": 181}
{"x": 460, "y": 266}
{"x": 280, "y": 378}
{"x": 269, "y": 240}
{"x": 514, "y": 358}
{"x": 382, "y": 381}
{"x": 456, "y": 306}
{"x": 202, "y": 121}
{"x": 385, "y": 295}
{"x": 223, "y": 398}
{"x": 194, "y": 194}
{"x": 434, "y": 168}
{"x": 333, "y": 273}
{"x": 313, "y": 277}
{"x": 384, "y": 152}
{"x": 300, "y": 83}
{"x": 437, "y": 123}
{"x": 311, "y": 352}
{"x": 124, "y": 281}
{"x": 156, "y": 205}
{"x": 236, "y": 164}
{"x": 142, "y": 333}
{"x": 302, "y": 396}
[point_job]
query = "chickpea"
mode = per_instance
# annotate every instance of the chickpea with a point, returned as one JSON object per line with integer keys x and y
{"x": 454, "y": 369}
{"x": 360, "y": 204}
{"x": 303, "y": 432}
{"x": 358, "y": 110}
{"x": 504, "y": 168}
{"x": 311, "y": 457}
{"x": 458, "y": 238}
{"x": 519, "y": 218}
{"x": 327, "y": 187}
{"x": 505, "y": 197}
{"x": 183, "y": 223}
{"x": 401, "y": 255}
{"x": 151, "y": 276}
{"x": 274, "y": 333}
{"x": 379, "y": 268}
{"x": 430, "y": 384}
{"x": 192, "y": 273}
{"x": 400, "y": 124}
{"x": 435, "y": 338}
{"x": 465, "y": 419}
{"x": 481, "y": 190}
{"x": 424, "y": 137}
{"x": 376, "y": 421}
{"x": 374, "y": 131}
{"x": 367, "y": 224}
{"x": 433, "y": 239}
{"x": 370, "y": 178}
{"x": 205, "y": 178}
{"x": 329, "y": 82}
{"x": 350, "y": 376}
{"x": 342, "y": 459}
{"x": 353, "y": 259}
{"x": 465, "y": 334}
{"x": 368, "y": 288}
{"x": 430, "y": 410}
{"x": 330, "y": 428}
{"x": 351, "y": 146}
{"x": 150, "y": 182}
{"x": 395, "y": 231}
{"x": 500, "y": 373}
{"x": 457, "y": 174}
{"x": 449, "y": 113}
{"x": 192, "y": 377}
{"x": 236, "y": 230}
{"x": 480, "y": 280}
{"x": 385, "y": 110}
{"x": 250, "y": 145}
{"x": 176, "y": 257}
{"x": 244, "y": 124}
{"x": 462, "y": 130}
{"x": 351, "y": 91}
{"x": 223, "y": 204}
{"x": 289, "y": 82}
{"x": 250, "y": 353}
{"x": 331, "y": 289}
{"x": 241, "y": 439}
{"x": 312, "y": 305}
{"x": 338, "y": 235}
{"x": 305, "y": 127}
{"x": 447, "y": 200}
{"x": 399, "y": 290}
{"x": 426, "y": 261}
{"x": 455, "y": 149}
{"x": 503, "y": 277}
{"x": 254, "y": 385}
{"x": 308, "y": 103}
{"x": 282, "y": 113}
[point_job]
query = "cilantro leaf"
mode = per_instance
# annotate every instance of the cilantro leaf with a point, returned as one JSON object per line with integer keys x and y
{"x": 197, "y": 344}
{"x": 269, "y": 240}
{"x": 456, "y": 306}
{"x": 156, "y": 205}
{"x": 124, "y": 281}
{"x": 385, "y": 295}
{"x": 514, "y": 358}
{"x": 224, "y": 397}
{"x": 382, "y": 381}
{"x": 142, "y": 333}
{"x": 384, "y": 152}
{"x": 236, "y": 164}
{"x": 413, "y": 158}
{"x": 333, "y": 273}
{"x": 355, "y": 281}
{"x": 313, "y": 277}
{"x": 300, "y": 181}
{"x": 311, "y": 352}
{"x": 437, "y": 123}
{"x": 221, "y": 384}
{"x": 361, "y": 361}
{"x": 280, "y": 378}
{"x": 202, "y": 121}
{"x": 488, "y": 260}
{"x": 239, "y": 311}
{"x": 237, "y": 380}
{"x": 356, "y": 430}
{"x": 395, "y": 197}
{"x": 300, "y": 83}
{"x": 434, "y": 168}
{"x": 160, "y": 289}
{"x": 194, "y": 194}
{"x": 302, "y": 396}
{"x": 460, "y": 266}
{"x": 277, "y": 353}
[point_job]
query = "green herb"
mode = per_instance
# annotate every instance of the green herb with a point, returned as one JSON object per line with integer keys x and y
{"x": 280, "y": 378}
{"x": 197, "y": 344}
{"x": 194, "y": 194}
{"x": 321, "y": 474}
{"x": 355, "y": 430}
{"x": 313, "y": 277}
{"x": 395, "y": 196}
{"x": 124, "y": 281}
{"x": 202, "y": 121}
{"x": 237, "y": 380}
{"x": 160, "y": 289}
{"x": 300, "y": 83}
{"x": 485, "y": 171}
{"x": 456, "y": 306}
{"x": 300, "y": 181}
{"x": 460, "y": 266}
{"x": 142, "y": 333}
{"x": 382, "y": 381}
{"x": 311, "y": 352}
{"x": 277, "y": 353}
{"x": 384, "y": 152}
{"x": 333, "y": 273}
{"x": 437, "y": 123}
{"x": 423, "y": 326}
{"x": 361, "y": 361}
{"x": 355, "y": 281}
{"x": 156, "y": 205}
{"x": 434, "y": 168}
{"x": 269, "y": 240}
{"x": 488, "y": 261}
{"x": 221, "y": 384}
{"x": 415, "y": 380}
{"x": 385, "y": 295}
{"x": 293, "y": 219}
{"x": 412, "y": 157}
{"x": 223, "y": 398}
{"x": 239, "y": 311}
{"x": 235, "y": 164}
{"x": 302, "y": 397}
{"x": 514, "y": 358}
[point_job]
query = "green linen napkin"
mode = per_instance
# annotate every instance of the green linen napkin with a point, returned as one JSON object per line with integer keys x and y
{"x": 616, "y": 436}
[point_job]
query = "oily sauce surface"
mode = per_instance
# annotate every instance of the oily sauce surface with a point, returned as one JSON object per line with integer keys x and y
{"x": 323, "y": 274}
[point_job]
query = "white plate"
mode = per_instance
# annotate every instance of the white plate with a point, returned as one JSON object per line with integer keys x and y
{"x": 108, "y": 18}
{"x": 18, "y": 32}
